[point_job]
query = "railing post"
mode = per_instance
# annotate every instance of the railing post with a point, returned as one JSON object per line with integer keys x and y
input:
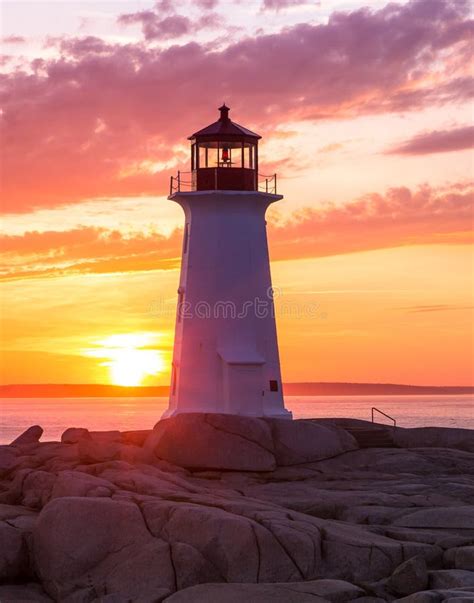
{"x": 275, "y": 176}
{"x": 171, "y": 185}
{"x": 384, "y": 414}
{"x": 179, "y": 181}
{"x": 266, "y": 185}
{"x": 215, "y": 179}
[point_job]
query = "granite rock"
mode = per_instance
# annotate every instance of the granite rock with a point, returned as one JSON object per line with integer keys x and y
{"x": 441, "y": 517}
{"x": 82, "y": 543}
{"x": 451, "y": 578}
{"x": 107, "y": 518}
{"x": 13, "y": 554}
{"x": 74, "y": 434}
{"x": 297, "y": 442}
{"x": 409, "y": 577}
{"x": 23, "y": 593}
{"x": 460, "y": 558}
{"x": 8, "y": 460}
{"x": 31, "y": 436}
{"x": 197, "y": 440}
{"x": 316, "y": 591}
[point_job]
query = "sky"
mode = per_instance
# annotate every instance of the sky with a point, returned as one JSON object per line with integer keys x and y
{"x": 365, "y": 110}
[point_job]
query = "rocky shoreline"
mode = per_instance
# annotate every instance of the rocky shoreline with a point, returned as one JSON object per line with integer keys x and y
{"x": 219, "y": 508}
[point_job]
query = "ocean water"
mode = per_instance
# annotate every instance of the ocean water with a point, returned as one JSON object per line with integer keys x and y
{"x": 57, "y": 414}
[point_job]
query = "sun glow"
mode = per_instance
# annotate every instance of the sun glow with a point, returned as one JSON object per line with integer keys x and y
{"x": 129, "y": 357}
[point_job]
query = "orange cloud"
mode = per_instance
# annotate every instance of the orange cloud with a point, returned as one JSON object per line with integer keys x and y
{"x": 400, "y": 217}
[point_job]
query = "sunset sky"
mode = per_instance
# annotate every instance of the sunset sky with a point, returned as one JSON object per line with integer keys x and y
{"x": 366, "y": 113}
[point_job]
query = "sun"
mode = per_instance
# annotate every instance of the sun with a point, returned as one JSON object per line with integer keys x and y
{"x": 130, "y": 357}
{"x": 129, "y": 366}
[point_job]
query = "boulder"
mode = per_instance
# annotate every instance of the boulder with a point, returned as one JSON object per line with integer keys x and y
{"x": 437, "y": 437}
{"x": 11, "y": 512}
{"x": 23, "y": 593}
{"x": 100, "y": 544}
{"x": 77, "y": 483}
{"x": 240, "y": 549}
{"x": 211, "y": 441}
{"x": 460, "y": 558}
{"x": 31, "y": 436}
{"x": 441, "y": 517}
{"x": 36, "y": 489}
{"x": 106, "y": 436}
{"x": 451, "y": 578}
{"x": 74, "y": 434}
{"x": 409, "y": 577}
{"x": 314, "y": 591}
{"x": 370, "y": 514}
{"x": 351, "y": 552}
{"x": 448, "y": 542}
{"x": 297, "y": 442}
{"x": 136, "y": 437}
{"x": 427, "y": 596}
{"x": 13, "y": 553}
{"x": 458, "y": 595}
{"x": 130, "y": 453}
{"x": 97, "y": 451}
{"x": 8, "y": 460}
{"x": 191, "y": 566}
{"x": 146, "y": 480}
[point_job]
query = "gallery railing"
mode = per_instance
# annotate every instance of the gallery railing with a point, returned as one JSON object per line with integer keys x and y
{"x": 186, "y": 182}
{"x": 182, "y": 182}
{"x": 268, "y": 184}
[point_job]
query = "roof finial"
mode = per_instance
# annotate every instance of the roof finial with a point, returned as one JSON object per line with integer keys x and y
{"x": 224, "y": 113}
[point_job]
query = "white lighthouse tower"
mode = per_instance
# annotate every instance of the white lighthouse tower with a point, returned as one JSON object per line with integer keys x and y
{"x": 226, "y": 351}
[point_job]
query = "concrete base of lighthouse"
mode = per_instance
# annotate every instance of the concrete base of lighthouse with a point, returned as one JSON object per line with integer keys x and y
{"x": 226, "y": 357}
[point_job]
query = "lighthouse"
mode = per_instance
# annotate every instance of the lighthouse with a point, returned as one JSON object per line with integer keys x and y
{"x": 225, "y": 357}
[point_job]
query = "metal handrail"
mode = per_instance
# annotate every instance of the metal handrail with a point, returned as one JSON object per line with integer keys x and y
{"x": 384, "y": 414}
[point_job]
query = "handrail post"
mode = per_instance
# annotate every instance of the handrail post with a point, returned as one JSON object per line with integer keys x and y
{"x": 275, "y": 176}
{"x": 171, "y": 185}
{"x": 179, "y": 181}
{"x": 266, "y": 185}
{"x": 215, "y": 179}
{"x": 384, "y": 414}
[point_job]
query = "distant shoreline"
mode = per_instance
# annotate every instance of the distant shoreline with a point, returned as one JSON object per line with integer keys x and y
{"x": 290, "y": 389}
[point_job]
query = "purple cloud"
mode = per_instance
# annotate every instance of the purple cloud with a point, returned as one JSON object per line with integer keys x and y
{"x": 100, "y": 109}
{"x": 279, "y": 4}
{"x": 438, "y": 141}
{"x": 155, "y": 28}
{"x": 13, "y": 40}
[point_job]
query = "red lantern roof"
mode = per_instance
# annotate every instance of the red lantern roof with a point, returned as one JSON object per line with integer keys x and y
{"x": 223, "y": 128}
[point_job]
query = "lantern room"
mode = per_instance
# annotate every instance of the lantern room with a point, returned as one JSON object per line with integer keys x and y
{"x": 224, "y": 156}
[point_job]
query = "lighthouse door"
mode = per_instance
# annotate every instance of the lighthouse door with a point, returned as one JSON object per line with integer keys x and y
{"x": 243, "y": 389}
